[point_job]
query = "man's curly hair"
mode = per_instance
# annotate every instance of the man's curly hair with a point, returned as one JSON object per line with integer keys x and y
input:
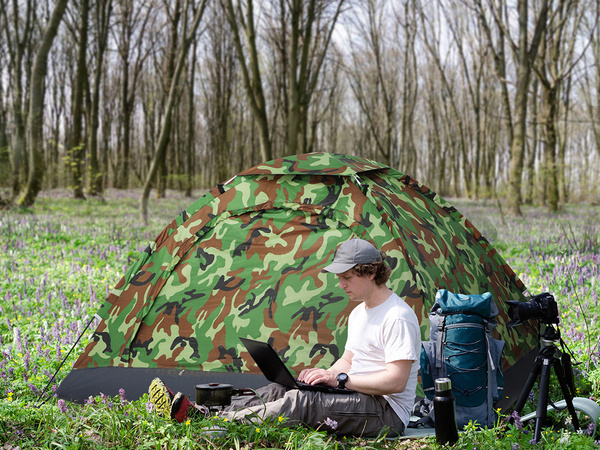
{"x": 381, "y": 270}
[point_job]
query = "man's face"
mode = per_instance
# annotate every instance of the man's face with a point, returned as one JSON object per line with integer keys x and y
{"x": 357, "y": 288}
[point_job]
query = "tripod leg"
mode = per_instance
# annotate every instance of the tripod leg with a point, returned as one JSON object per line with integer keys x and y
{"x": 535, "y": 371}
{"x": 542, "y": 405}
{"x": 560, "y": 374}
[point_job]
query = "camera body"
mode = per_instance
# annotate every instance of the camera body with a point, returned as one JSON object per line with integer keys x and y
{"x": 542, "y": 307}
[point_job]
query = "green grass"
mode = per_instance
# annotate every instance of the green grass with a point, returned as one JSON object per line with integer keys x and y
{"x": 59, "y": 259}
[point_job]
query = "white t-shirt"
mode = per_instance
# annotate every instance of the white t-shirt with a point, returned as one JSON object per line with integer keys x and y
{"x": 387, "y": 333}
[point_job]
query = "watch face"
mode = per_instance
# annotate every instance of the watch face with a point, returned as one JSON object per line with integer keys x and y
{"x": 343, "y": 377}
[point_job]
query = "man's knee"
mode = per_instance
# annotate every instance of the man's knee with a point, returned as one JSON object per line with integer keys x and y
{"x": 296, "y": 398}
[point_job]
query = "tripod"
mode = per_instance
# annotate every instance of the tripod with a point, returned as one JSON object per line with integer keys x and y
{"x": 544, "y": 361}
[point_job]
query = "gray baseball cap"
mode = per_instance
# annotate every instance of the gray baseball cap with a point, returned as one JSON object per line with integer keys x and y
{"x": 351, "y": 253}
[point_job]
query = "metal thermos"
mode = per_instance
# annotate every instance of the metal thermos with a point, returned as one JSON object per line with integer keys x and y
{"x": 444, "y": 409}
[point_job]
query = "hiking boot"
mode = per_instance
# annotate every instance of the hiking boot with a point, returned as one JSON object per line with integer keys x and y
{"x": 161, "y": 397}
{"x": 182, "y": 409}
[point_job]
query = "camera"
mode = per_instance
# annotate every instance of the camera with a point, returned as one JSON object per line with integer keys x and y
{"x": 542, "y": 307}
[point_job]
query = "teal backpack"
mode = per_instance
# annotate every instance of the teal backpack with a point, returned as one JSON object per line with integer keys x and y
{"x": 461, "y": 347}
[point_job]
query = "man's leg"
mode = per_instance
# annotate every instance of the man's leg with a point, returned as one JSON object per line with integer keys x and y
{"x": 355, "y": 414}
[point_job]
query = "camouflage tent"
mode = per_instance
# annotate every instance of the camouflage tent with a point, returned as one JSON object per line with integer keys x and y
{"x": 244, "y": 261}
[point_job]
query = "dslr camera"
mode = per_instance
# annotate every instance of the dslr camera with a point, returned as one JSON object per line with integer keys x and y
{"x": 542, "y": 307}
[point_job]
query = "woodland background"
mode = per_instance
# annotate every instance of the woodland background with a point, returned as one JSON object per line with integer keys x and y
{"x": 474, "y": 98}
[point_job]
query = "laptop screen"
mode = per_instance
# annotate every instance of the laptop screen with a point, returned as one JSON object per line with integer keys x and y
{"x": 269, "y": 362}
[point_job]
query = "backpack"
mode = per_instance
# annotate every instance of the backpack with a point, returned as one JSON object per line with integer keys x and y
{"x": 461, "y": 348}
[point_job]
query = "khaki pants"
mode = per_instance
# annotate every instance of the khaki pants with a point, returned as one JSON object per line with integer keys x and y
{"x": 355, "y": 413}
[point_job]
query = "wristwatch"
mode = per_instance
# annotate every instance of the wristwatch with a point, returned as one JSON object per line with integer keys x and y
{"x": 342, "y": 379}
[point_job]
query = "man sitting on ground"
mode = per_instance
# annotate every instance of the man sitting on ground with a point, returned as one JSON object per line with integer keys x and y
{"x": 380, "y": 361}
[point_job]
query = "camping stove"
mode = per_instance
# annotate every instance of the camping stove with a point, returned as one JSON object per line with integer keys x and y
{"x": 217, "y": 395}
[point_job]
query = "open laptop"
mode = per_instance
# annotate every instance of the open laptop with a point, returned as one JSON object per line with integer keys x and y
{"x": 274, "y": 369}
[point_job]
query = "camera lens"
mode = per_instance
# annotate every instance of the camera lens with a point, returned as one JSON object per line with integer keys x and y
{"x": 524, "y": 311}
{"x": 542, "y": 307}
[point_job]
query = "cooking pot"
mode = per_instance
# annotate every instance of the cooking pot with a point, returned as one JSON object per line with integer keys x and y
{"x": 217, "y": 394}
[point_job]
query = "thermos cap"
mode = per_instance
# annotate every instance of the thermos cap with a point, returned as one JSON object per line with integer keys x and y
{"x": 443, "y": 384}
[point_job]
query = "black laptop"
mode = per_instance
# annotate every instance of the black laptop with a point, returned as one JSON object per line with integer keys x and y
{"x": 273, "y": 368}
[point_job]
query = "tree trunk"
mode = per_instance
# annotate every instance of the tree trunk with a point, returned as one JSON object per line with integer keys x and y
{"x": 531, "y": 175}
{"x": 77, "y": 139}
{"x": 35, "y": 123}
{"x": 550, "y": 96}
{"x": 191, "y": 126}
{"x": 95, "y": 178}
{"x": 17, "y": 39}
{"x": 174, "y": 18}
{"x": 525, "y": 60}
{"x": 122, "y": 176}
{"x": 250, "y": 70}
{"x": 163, "y": 140}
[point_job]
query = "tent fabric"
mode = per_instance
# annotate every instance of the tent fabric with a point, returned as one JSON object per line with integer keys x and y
{"x": 244, "y": 260}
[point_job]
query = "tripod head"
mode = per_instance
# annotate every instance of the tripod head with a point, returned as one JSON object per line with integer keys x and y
{"x": 549, "y": 340}
{"x": 550, "y": 334}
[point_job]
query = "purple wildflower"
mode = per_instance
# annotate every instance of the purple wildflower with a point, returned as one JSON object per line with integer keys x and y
{"x": 17, "y": 339}
{"x": 122, "y": 394}
{"x": 330, "y": 423}
{"x": 149, "y": 407}
{"x": 517, "y": 420}
{"x": 516, "y": 446}
{"x": 34, "y": 389}
{"x": 62, "y": 406}
{"x": 103, "y": 396}
{"x": 590, "y": 429}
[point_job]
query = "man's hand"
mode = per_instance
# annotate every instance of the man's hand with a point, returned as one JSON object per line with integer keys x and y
{"x": 318, "y": 376}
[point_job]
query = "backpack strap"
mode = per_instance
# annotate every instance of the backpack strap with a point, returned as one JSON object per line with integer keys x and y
{"x": 491, "y": 370}
{"x": 439, "y": 351}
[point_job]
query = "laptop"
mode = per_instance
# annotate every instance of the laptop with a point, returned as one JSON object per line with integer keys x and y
{"x": 274, "y": 369}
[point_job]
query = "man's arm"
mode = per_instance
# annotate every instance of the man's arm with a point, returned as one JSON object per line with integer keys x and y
{"x": 389, "y": 381}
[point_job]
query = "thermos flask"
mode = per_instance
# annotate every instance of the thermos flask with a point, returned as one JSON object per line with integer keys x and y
{"x": 444, "y": 410}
